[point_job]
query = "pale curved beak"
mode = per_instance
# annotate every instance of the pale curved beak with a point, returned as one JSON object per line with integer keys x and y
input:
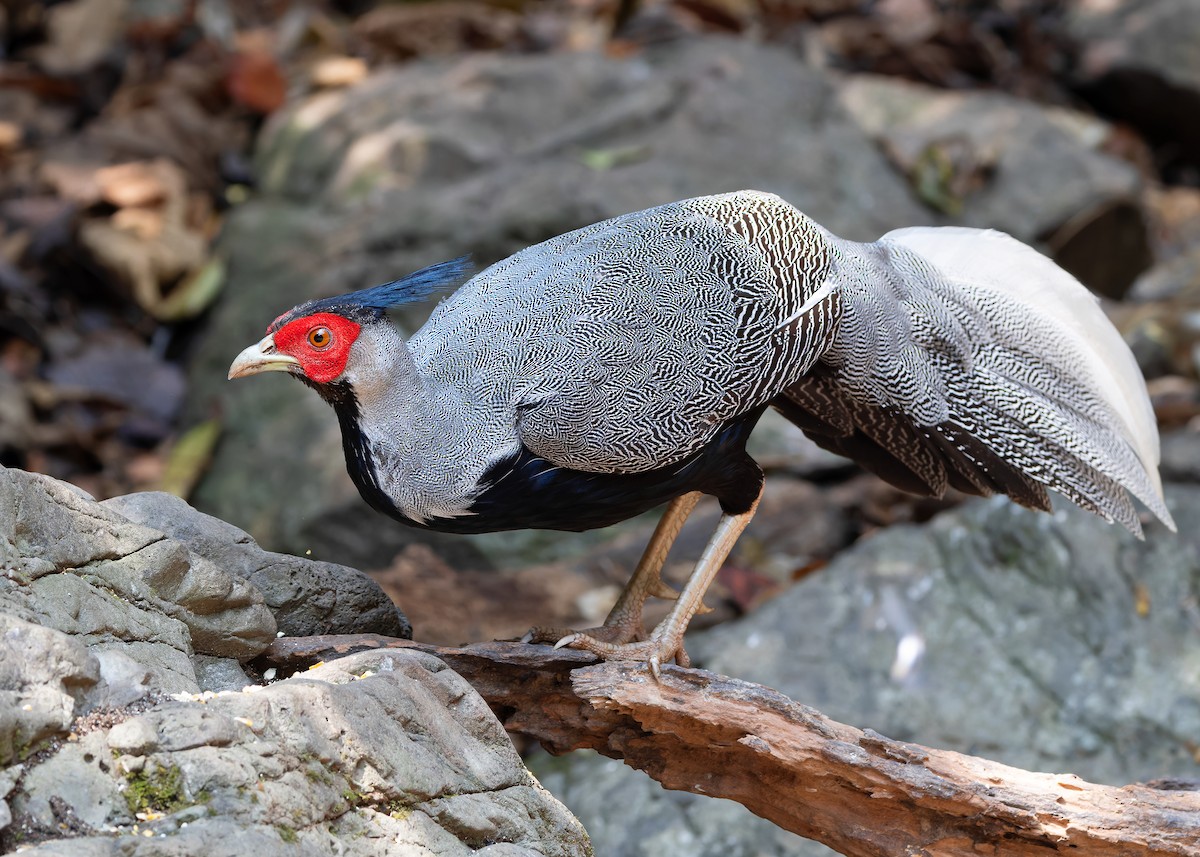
{"x": 262, "y": 357}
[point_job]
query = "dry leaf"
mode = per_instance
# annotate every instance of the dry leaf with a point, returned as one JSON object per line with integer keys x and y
{"x": 81, "y": 34}
{"x": 139, "y": 183}
{"x": 337, "y": 72}
{"x": 747, "y": 588}
{"x": 255, "y": 81}
{"x": 421, "y": 29}
{"x": 195, "y": 294}
{"x": 189, "y": 458}
{"x": 10, "y": 135}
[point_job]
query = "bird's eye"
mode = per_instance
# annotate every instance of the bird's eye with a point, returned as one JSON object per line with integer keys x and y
{"x": 320, "y": 337}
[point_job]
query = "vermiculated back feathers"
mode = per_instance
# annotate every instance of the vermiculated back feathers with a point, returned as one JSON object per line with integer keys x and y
{"x": 934, "y": 357}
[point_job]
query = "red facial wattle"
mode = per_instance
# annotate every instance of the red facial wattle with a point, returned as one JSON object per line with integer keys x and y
{"x": 301, "y": 338}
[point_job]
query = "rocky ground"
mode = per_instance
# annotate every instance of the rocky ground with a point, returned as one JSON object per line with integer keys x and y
{"x": 127, "y": 716}
{"x": 177, "y": 184}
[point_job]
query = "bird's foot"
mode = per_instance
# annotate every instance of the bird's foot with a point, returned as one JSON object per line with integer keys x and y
{"x": 654, "y": 652}
{"x": 606, "y": 645}
{"x": 610, "y": 634}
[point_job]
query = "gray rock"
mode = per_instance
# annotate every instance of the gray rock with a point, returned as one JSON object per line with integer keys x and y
{"x": 485, "y": 155}
{"x": 1083, "y": 633}
{"x": 8, "y": 781}
{"x": 1181, "y": 455}
{"x": 1157, "y": 36}
{"x": 999, "y": 162}
{"x": 306, "y": 597}
{"x": 1139, "y": 64}
{"x": 1177, "y": 278}
{"x": 76, "y": 566}
{"x": 628, "y": 814}
{"x": 43, "y": 673}
{"x": 1163, "y": 326}
{"x": 123, "y": 680}
{"x": 387, "y": 753}
{"x": 78, "y": 775}
{"x": 1048, "y": 642}
{"x": 378, "y": 753}
{"x": 1025, "y": 153}
{"x": 217, "y": 674}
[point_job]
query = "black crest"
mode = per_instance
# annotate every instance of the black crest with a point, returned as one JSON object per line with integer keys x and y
{"x": 367, "y": 305}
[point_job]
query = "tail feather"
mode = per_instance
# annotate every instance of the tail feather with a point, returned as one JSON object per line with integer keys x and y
{"x": 1001, "y": 363}
{"x": 973, "y": 464}
{"x": 1041, "y": 458}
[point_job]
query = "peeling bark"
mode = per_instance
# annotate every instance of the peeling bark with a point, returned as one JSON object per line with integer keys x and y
{"x": 854, "y": 790}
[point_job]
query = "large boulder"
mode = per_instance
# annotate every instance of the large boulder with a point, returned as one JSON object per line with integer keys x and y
{"x": 148, "y": 578}
{"x": 1048, "y": 642}
{"x": 994, "y": 161}
{"x": 127, "y": 591}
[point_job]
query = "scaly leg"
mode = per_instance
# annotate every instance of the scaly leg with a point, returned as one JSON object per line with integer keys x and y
{"x": 666, "y": 641}
{"x": 624, "y": 621}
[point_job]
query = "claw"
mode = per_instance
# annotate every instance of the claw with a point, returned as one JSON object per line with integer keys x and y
{"x": 566, "y": 641}
{"x": 659, "y": 589}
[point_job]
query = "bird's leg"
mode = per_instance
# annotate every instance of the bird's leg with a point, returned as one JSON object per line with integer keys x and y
{"x": 624, "y": 621}
{"x": 647, "y": 580}
{"x": 666, "y": 640}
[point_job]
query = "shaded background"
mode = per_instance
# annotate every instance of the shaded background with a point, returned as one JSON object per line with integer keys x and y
{"x": 175, "y": 174}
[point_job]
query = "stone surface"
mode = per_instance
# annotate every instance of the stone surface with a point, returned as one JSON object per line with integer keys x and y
{"x": 1139, "y": 64}
{"x": 654, "y": 822}
{"x": 485, "y": 155}
{"x": 305, "y": 596}
{"x": 1048, "y": 642}
{"x": 378, "y": 753}
{"x": 1158, "y": 36}
{"x": 1162, "y": 322}
{"x": 1181, "y": 454}
{"x": 42, "y": 674}
{"x": 73, "y": 565}
{"x": 998, "y": 162}
{"x": 217, "y": 674}
{"x": 8, "y": 781}
{"x": 114, "y": 617}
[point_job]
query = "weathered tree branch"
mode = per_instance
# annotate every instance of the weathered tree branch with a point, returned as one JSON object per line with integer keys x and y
{"x": 856, "y": 791}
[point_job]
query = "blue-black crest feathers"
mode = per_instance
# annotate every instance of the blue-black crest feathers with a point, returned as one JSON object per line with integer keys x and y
{"x": 367, "y": 305}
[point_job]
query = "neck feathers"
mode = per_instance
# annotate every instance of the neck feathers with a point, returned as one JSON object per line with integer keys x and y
{"x": 406, "y": 446}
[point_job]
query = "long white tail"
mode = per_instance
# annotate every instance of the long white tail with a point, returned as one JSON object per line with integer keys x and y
{"x": 972, "y": 360}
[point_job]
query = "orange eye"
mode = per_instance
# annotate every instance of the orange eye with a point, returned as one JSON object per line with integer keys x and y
{"x": 320, "y": 337}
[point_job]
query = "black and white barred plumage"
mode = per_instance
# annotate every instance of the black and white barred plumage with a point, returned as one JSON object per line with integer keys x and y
{"x": 590, "y": 377}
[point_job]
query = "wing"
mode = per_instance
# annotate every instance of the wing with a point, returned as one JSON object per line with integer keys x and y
{"x": 691, "y": 314}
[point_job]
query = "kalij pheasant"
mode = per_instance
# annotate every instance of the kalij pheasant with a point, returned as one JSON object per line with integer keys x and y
{"x": 602, "y": 373}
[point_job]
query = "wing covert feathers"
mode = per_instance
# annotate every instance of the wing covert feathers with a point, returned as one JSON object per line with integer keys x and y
{"x": 964, "y": 358}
